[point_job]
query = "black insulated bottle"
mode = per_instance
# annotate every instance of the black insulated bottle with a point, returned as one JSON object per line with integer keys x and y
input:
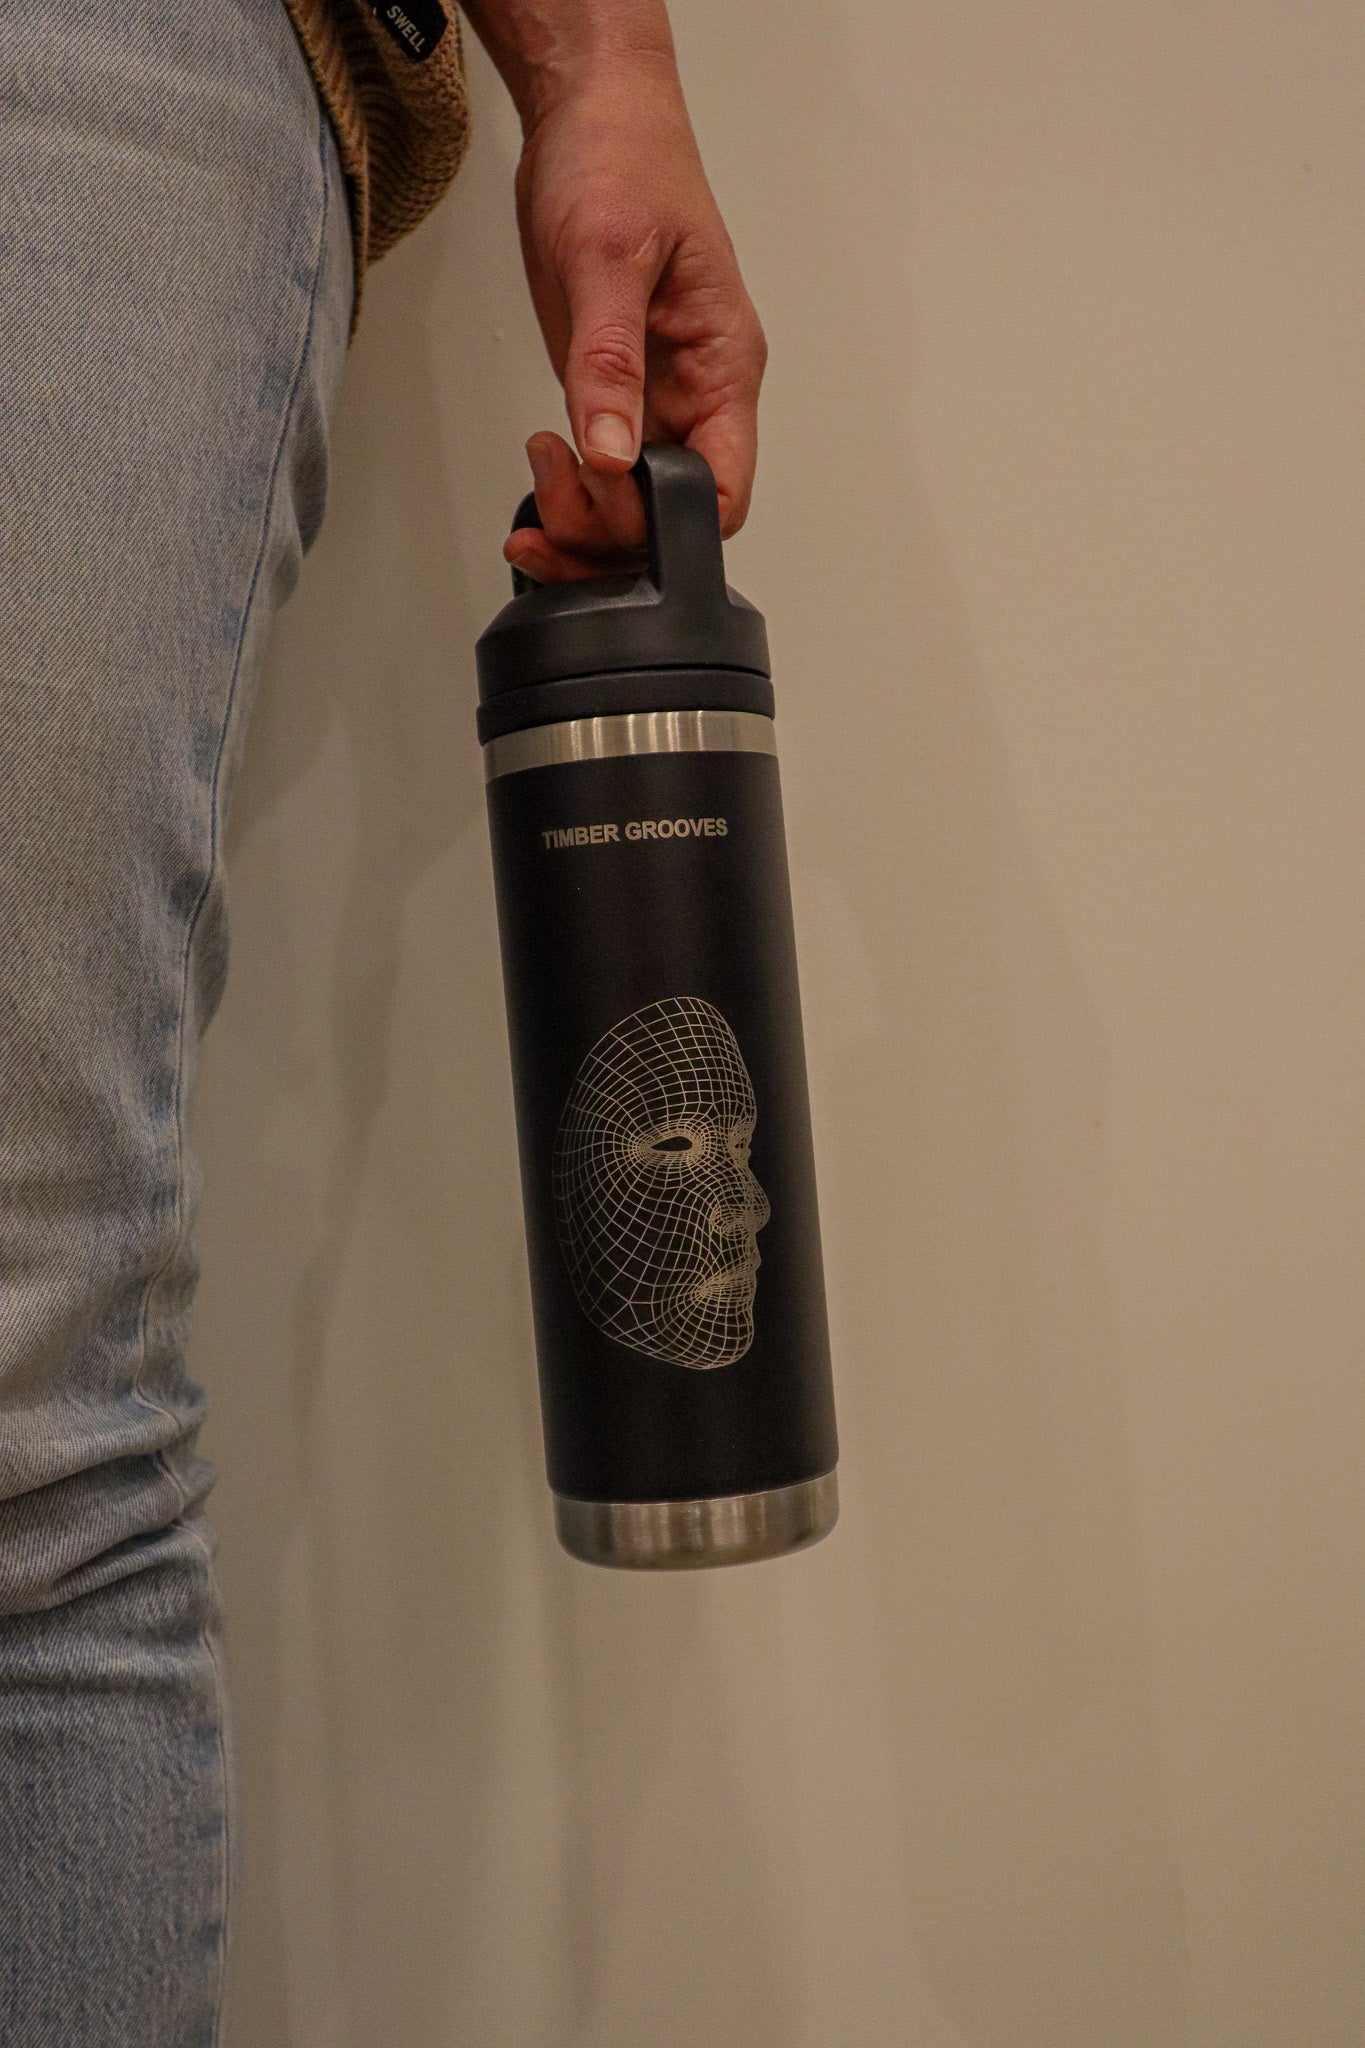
{"x": 657, "y": 1061}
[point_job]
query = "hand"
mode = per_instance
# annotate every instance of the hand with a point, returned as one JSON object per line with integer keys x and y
{"x": 644, "y": 313}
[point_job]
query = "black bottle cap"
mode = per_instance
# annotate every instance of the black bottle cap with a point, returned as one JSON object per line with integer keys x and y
{"x": 680, "y": 615}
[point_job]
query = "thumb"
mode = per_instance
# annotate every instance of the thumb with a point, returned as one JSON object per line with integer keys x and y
{"x": 604, "y": 371}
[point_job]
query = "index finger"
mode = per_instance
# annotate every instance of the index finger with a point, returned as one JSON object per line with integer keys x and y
{"x": 728, "y": 438}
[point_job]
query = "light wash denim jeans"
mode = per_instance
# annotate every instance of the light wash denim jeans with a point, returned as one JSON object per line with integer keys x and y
{"x": 175, "y": 294}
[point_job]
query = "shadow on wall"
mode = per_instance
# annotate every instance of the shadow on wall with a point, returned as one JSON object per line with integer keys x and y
{"x": 466, "y": 1761}
{"x": 361, "y": 1288}
{"x": 394, "y": 1592}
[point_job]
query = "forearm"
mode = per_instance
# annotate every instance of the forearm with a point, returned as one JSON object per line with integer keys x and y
{"x": 632, "y": 274}
{"x": 544, "y": 49}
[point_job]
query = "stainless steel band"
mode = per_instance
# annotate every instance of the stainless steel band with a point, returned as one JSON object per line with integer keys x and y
{"x": 671, "y": 1535}
{"x": 629, "y": 732}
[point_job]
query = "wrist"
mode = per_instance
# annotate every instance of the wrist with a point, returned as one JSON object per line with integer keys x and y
{"x": 551, "y": 55}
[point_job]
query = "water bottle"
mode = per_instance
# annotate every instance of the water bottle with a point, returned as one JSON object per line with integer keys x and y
{"x": 658, "y": 1070}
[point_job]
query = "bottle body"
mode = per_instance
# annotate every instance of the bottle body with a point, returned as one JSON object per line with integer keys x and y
{"x": 664, "y": 1134}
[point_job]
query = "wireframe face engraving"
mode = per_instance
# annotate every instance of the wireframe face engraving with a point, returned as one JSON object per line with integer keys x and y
{"x": 657, "y": 1209}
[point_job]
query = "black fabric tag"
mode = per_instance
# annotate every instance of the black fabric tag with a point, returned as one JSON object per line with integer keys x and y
{"x": 415, "y": 25}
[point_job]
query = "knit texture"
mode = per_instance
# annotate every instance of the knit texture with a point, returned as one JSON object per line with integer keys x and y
{"x": 402, "y": 126}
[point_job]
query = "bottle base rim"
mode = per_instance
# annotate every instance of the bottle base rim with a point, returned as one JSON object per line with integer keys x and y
{"x": 681, "y": 1535}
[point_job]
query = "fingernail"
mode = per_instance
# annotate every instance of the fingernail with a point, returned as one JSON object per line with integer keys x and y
{"x": 525, "y": 565}
{"x": 609, "y": 434}
{"x": 538, "y": 456}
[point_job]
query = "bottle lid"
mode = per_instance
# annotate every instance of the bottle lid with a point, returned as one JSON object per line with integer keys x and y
{"x": 679, "y": 614}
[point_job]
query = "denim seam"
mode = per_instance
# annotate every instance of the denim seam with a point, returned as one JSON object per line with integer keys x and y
{"x": 192, "y": 927}
{"x": 139, "y": 1392}
{"x": 209, "y": 1645}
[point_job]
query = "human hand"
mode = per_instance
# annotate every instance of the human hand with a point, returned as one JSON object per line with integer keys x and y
{"x": 642, "y": 306}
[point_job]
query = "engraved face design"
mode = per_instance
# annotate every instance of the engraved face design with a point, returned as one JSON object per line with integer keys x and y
{"x": 657, "y": 1209}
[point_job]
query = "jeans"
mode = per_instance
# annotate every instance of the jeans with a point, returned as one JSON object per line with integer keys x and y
{"x": 175, "y": 297}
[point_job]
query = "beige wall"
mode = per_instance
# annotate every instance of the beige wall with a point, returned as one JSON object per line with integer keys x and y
{"x": 1058, "y": 1742}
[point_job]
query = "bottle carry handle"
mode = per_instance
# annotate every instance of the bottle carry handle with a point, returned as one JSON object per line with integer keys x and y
{"x": 682, "y": 525}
